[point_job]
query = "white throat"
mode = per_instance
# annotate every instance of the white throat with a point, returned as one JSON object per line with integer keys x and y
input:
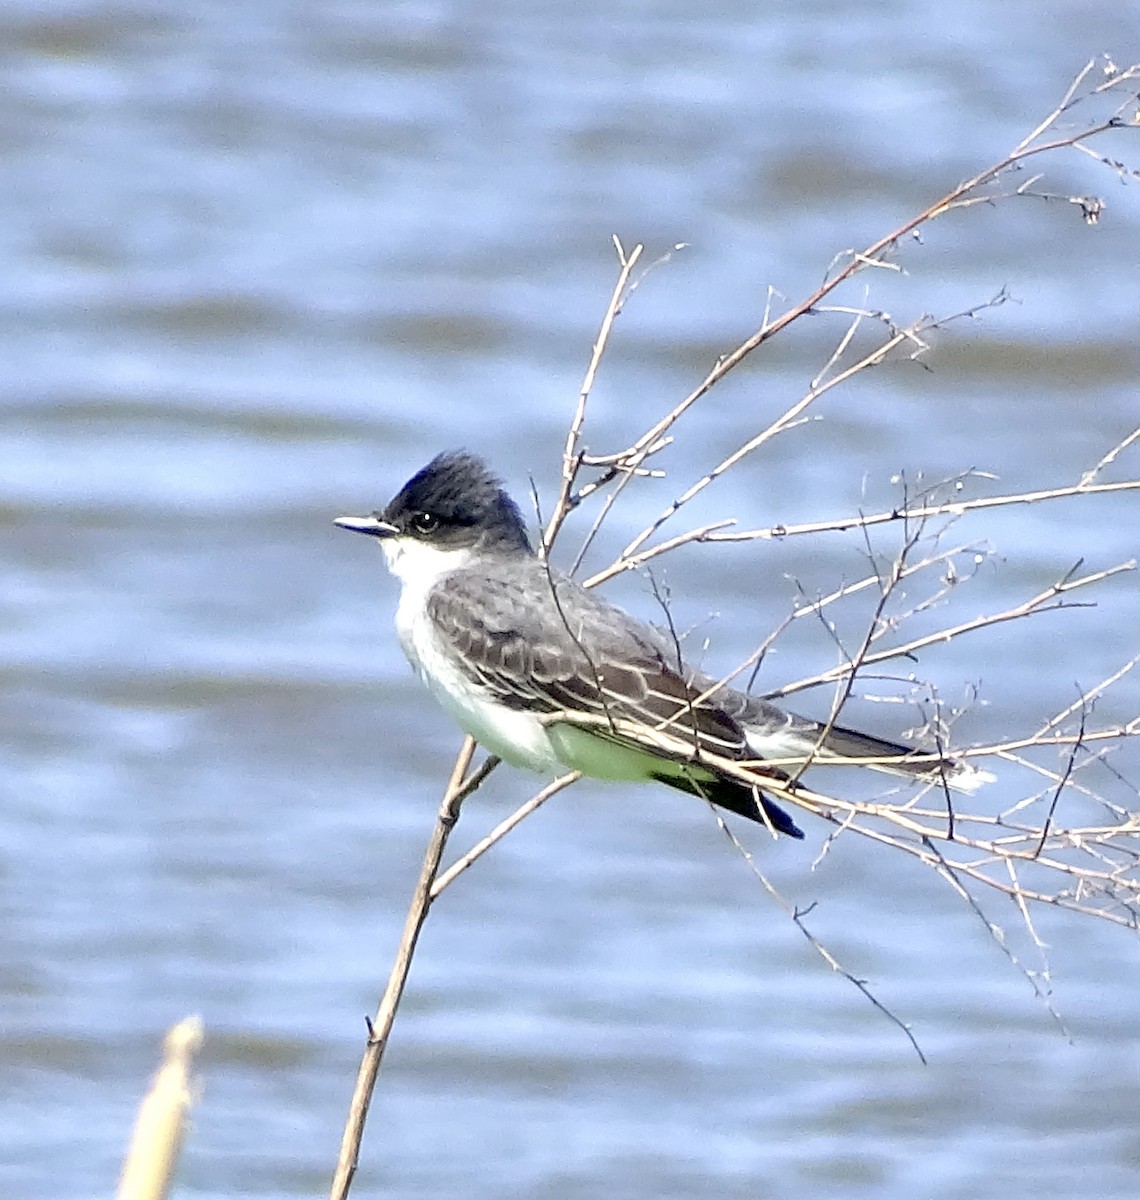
{"x": 418, "y": 567}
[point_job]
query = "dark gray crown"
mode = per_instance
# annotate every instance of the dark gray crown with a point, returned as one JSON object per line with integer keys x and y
{"x": 456, "y": 501}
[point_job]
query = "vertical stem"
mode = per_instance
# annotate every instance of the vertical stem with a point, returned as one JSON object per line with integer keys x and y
{"x": 381, "y": 1024}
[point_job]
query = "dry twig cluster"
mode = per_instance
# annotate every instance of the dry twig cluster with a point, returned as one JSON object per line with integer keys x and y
{"x": 1027, "y": 853}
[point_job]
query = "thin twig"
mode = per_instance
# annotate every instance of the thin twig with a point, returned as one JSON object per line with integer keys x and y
{"x": 571, "y": 457}
{"x": 1045, "y": 601}
{"x": 501, "y": 830}
{"x": 797, "y": 916}
{"x": 952, "y": 508}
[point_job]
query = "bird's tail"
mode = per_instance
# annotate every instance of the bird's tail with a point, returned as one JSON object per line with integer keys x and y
{"x": 801, "y": 741}
{"x": 737, "y": 797}
{"x": 794, "y": 742}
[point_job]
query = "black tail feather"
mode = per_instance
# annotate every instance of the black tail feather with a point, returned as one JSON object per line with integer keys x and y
{"x": 739, "y": 798}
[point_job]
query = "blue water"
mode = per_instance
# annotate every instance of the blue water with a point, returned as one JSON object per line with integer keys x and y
{"x": 262, "y": 261}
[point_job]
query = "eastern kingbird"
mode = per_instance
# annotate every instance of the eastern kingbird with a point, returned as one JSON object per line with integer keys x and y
{"x": 549, "y": 676}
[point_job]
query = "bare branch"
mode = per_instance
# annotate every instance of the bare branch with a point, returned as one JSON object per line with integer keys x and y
{"x": 1034, "y": 851}
{"x": 1045, "y": 601}
{"x": 571, "y": 457}
{"x": 501, "y": 830}
{"x": 954, "y": 508}
{"x": 797, "y": 917}
{"x": 379, "y": 1027}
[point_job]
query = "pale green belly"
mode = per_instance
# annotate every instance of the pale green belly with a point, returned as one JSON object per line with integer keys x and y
{"x": 600, "y": 758}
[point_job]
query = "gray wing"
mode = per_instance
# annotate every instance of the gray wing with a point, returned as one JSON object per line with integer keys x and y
{"x": 540, "y": 640}
{"x": 754, "y": 712}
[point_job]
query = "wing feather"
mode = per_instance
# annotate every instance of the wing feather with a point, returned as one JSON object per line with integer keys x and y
{"x": 539, "y": 640}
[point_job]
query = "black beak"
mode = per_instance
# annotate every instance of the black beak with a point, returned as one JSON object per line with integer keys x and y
{"x": 372, "y": 525}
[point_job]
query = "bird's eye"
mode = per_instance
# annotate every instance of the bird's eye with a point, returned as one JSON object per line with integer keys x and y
{"x": 425, "y": 522}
